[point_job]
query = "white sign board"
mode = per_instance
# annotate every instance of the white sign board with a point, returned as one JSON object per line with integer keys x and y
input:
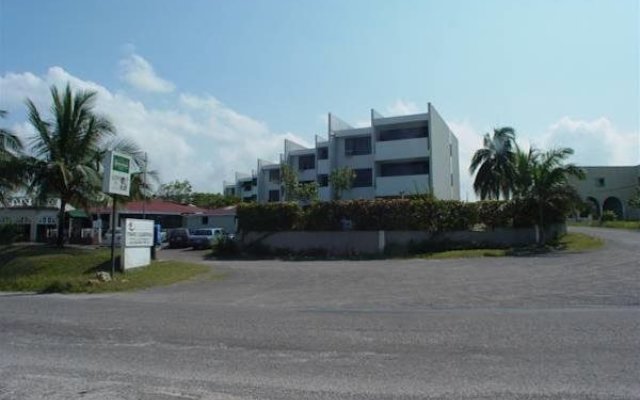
{"x": 138, "y": 240}
{"x": 138, "y": 232}
{"x": 117, "y": 174}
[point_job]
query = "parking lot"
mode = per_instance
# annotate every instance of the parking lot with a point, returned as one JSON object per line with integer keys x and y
{"x": 555, "y": 326}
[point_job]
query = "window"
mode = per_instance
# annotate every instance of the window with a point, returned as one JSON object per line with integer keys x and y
{"x": 274, "y": 175}
{"x": 600, "y": 182}
{"x": 364, "y": 177}
{"x": 274, "y": 195}
{"x": 323, "y": 180}
{"x": 357, "y": 146}
{"x": 323, "y": 153}
{"x": 306, "y": 162}
{"x": 204, "y": 221}
{"x": 403, "y": 133}
{"x": 246, "y": 186}
{"x": 404, "y": 168}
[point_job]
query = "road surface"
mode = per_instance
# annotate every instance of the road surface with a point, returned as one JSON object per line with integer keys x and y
{"x": 559, "y": 326}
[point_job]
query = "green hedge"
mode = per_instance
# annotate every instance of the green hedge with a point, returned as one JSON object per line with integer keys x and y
{"x": 397, "y": 214}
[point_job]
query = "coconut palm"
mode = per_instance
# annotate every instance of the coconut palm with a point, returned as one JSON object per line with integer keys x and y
{"x": 65, "y": 149}
{"x": 493, "y": 164}
{"x": 543, "y": 178}
{"x": 11, "y": 149}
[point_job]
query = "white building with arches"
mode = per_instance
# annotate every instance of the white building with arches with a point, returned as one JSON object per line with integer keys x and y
{"x": 610, "y": 188}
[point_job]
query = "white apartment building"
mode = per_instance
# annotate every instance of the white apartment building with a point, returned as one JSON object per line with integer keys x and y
{"x": 393, "y": 157}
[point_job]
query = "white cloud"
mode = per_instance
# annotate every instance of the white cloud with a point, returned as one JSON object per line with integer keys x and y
{"x": 139, "y": 73}
{"x": 402, "y": 107}
{"x": 595, "y": 142}
{"x": 196, "y": 138}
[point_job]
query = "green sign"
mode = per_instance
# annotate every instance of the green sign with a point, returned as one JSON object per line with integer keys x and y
{"x": 120, "y": 164}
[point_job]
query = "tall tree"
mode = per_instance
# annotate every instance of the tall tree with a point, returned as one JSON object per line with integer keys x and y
{"x": 493, "y": 164}
{"x": 65, "y": 149}
{"x": 544, "y": 178}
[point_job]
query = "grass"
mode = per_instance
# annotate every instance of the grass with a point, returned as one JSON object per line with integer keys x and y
{"x": 45, "y": 269}
{"x": 608, "y": 224}
{"x": 571, "y": 242}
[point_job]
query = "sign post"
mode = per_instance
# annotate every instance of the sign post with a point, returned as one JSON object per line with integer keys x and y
{"x": 116, "y": 181}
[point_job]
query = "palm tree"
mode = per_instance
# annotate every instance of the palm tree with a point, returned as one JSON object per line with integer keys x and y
{"x": 65, "y": 150}
{"x": 543, "y": 178}
{"x": 494, "y": 164}
{"x": 11, "y": 170}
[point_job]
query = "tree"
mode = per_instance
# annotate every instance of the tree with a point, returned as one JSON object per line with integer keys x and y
{"x": 65, "y": 149}
{"x": 635, "y": 200}
{"x": 176, "y": 191}
{"x": 214, "y": 200}
{"x": 341, "y": 180}
{"x": 293, "y": 189}
{"x": 11, "y": 169}
{"x": 493, "y": 164}
{"x": 543, "y": 178}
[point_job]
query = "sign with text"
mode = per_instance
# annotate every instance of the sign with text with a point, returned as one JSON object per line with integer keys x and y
{"x": 117, "y": 174}
{"x": 138, "y": 239}
{"x": 138, "y": 232}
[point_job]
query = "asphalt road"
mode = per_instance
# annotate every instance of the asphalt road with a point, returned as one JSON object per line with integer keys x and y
{"x": 562, "y": 326}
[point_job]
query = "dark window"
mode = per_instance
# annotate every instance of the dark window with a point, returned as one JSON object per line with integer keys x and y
{"x": 274, "y": 195}
{"x": 323, "y": 180}
{"x": 205, "y": 220}
{"x": 246, "y": 186}
{"x": 403, "y": 133}
{"x": 600, "y": 182}
{"x": 357, "y": 146}
{"x": 364, "y": 177}
{"x": 404, "y": 168}
{"x": 274, "y": 175}
{"x": 307, "y": 162}
{"x": 323, "y": 153}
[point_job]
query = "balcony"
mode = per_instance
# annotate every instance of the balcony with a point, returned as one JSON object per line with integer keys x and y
{"x": 402, "y": 149}
{"x": 402, "y": 185}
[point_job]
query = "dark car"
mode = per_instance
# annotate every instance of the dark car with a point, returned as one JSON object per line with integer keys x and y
{"x": 179, "y": 238}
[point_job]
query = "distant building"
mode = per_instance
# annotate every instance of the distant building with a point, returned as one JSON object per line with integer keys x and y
{"x": 393, "y": 157}
{"x": 610, "y": 188}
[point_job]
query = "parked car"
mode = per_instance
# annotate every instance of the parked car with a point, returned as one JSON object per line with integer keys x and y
{"x": 106, "y": 238}
{"x": 178, "y": 238}
{"x": 203, "y": 238}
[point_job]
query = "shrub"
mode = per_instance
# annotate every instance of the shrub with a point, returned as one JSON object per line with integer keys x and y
{"x": 8, "y": 233}
{"x": 608, "y": 215}
{"x": 224, "y": 247}
{"x": 268, "y": 217}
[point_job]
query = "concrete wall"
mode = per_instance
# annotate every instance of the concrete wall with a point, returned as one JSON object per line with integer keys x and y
{"x": 374, "y": 242}
{"x": 443, "y": 158}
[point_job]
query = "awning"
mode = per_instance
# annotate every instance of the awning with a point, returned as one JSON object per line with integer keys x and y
{"x": 77, "y": 214}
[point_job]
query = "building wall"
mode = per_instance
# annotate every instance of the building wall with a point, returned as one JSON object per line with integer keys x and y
{"x": 439, "y": 149}
{"x": 609, "y": 185}
{"x": 443, "y": 158}
{"x": 226, "y": 222}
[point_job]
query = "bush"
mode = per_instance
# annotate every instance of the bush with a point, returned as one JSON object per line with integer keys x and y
{"x": 224, "y": 247}
{"x": 268, "y": 217}
{"x": 8, "y": 233}
{"x": 419, "y": 214}
{"x": 608, "y": 215}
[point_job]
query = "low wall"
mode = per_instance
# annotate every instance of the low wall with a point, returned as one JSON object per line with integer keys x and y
{"x": 372, "y": 242}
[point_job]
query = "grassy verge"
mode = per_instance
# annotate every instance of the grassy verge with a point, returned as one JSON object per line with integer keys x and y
{"x": 572, "y": 242}
{"x": 45, "y": 270}
{"x": 608, "y": 224}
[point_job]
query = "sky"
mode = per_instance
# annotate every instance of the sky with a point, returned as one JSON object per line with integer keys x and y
{"x": 207, "y": 87}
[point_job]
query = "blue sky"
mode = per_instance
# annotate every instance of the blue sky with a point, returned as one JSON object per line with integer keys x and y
{"x": 208, "y": 86}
